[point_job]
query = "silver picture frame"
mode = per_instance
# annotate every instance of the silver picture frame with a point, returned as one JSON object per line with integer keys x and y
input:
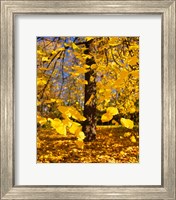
{"x": 10, "y": 9}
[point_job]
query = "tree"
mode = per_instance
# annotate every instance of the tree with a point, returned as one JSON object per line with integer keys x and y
{"x": 89, "y": 126}
{"x": 80, "y": 76}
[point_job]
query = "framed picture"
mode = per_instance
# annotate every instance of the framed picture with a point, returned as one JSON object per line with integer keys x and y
{"x": 88, "y": 99}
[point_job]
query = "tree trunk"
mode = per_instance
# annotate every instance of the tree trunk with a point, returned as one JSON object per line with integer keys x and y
{"x": 89, "y": 126}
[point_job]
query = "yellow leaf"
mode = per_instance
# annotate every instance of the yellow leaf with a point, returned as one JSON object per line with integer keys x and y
{"x": 67, "y": 122}
{"x": 86, "y": 66}
{"x": 41, "y": 120}
{"x": 89, "y": 38}
{"x": 47, "y": 101}
{"x": 133, "y": 61}
{"x": 61, "y": 49}
{"x": 123, "y": 74}
{"x": 132, "y": 110}
{"x": 134, "y": 47}
{"x": 54, "y": 52}
{"x": 93, "y": 66}
{"x": 119, "y": 83}
{"x": 133, "y": 139}
{"x": 53, "y": 100}
{"x": 115, "y": 122}
{"x": 80, "y": 70}
{"x": 58, "y": 126}
{"x": 83, "y": 81}
{"x": 38, "y": 103}
{"x": 113, "y": 41}
{"x": 90, "y": 100}
{"x": 41, "y": 81}
{"x": 127, "y": 123}
{"x": 61, "y": 129}
{"x": 75, "y": 47}
{"x": 135, "y": 73}
{"x": 66, "y": 45}
{"x": 106, "y": 117}
{"x": 100, "y": 107}
{"x": 80, "y": 144}
{"x": 101, "y": 90}
{"x": 127, "y": 134}
{"x": 44, "y": 69}
{"x": 122, "y": 153}
{"x": 80, "y": 135}
{"x": 39, "y": 52}
{"x": 58, "y": 101}
{"x": 75, "y": 127}
{"x": 65, "y": 110}
{"x": 85, "y": 56}
{"x": 112, "y": 110}
{"x": 92, "y": 78}
{"x": 54, "y": 122}
{"x": 76, "y": 115}
{"x": 45, "y": 59}
{"x": 70, "y": 111}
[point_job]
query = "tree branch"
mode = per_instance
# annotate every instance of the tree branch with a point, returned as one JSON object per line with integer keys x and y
{"x": 43, "y": 90}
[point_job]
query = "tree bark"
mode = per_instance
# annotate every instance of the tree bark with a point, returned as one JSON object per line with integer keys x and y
{"x": 89, "y": 126}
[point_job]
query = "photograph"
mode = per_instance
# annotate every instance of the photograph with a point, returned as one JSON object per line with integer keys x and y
{"x": 87, "y": 99}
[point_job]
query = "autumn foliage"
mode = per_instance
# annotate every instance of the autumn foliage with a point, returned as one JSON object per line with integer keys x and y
{"x": 87, "y": 99}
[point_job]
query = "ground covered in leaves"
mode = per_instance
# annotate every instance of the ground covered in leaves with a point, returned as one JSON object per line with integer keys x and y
{"x": 112, "y": 145}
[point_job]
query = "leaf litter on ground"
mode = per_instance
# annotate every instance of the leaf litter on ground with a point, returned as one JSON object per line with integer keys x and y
{"x": 112, "y": 145}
